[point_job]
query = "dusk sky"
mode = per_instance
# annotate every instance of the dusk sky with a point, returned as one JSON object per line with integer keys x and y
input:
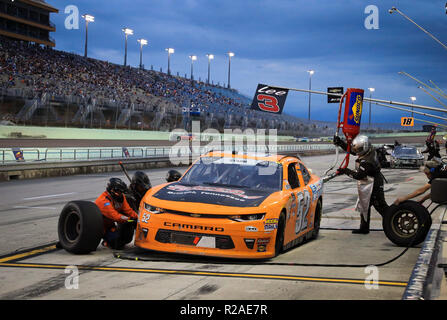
{"x": 276, "y": 42}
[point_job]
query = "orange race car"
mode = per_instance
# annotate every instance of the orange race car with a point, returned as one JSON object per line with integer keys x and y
{"x": 233, "y": 205}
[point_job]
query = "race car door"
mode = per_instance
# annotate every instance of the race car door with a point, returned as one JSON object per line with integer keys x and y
{"x": 304, "y": 197}
{"x": 295, "y": 204}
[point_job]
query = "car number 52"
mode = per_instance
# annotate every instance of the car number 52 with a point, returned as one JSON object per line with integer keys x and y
{"x": 145, "y": 217}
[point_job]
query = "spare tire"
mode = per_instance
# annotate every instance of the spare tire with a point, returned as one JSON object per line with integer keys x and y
{"x": 80, "y": 227}
{"x": 406, "y": 224}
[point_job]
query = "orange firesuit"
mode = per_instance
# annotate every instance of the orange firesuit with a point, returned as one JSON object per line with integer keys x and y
{"x": 113, "y": 211}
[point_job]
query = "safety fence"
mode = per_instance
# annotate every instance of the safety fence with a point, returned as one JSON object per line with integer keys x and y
{"x": 27, "y": 155}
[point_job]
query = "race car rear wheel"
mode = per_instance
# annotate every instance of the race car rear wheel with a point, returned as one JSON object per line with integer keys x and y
{"x": 80, "y": 227}
{"x": 317, "y": 219}
{"x": 279, "y": 240}
{"x": 407, "y": 223}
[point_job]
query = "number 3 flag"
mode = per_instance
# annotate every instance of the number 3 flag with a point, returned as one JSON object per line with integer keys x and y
{"x": 269, "y": 99}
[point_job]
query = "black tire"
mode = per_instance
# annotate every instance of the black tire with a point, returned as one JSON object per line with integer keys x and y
{"x": 406, "y": 224}
{"x": 80, "y": 227}
{"x": 317, "y": 219}
{"x": 279, "y": 240}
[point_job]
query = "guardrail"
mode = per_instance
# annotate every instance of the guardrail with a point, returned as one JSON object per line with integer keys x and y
{"x": 81, "y": 154}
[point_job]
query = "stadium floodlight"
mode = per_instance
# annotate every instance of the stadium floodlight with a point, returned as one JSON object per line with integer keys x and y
{"x": 311, "y": 72}
{"x": 230, "y": 55}
{"x": 394, "y": 9}
{"x": 210, "y": 57}
{"x": 88, "y": 18}
{"x": 413, "y": 99}
{"x": 170, "y": 51}
{"x": 193, "y": 58}
{"x": 371, "y": 90}
{"x": 142, "y": 42}
{"x": 127, "y": 32}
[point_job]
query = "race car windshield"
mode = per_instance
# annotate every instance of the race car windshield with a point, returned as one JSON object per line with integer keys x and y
{"x": 406, "y": 151}
{"x": 235, "y": 173}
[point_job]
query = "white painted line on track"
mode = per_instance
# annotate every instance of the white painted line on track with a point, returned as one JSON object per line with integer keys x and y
{"x": 49, "y": 196}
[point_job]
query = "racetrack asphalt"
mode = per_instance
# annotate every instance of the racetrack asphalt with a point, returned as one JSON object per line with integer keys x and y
{"x": 29, "y": 212}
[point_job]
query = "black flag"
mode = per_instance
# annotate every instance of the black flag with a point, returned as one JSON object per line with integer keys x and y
{"x": 269, "y": 99}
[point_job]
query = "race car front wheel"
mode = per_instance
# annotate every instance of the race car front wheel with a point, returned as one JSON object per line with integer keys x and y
{"x": 279, "y": 240}
{"x": 406, "y": 224}
{"x": 80, "y": 227}
{"x": 317, "y": 219}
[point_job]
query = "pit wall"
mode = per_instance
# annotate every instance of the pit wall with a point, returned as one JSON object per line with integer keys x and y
{"x": 10, "y": 132}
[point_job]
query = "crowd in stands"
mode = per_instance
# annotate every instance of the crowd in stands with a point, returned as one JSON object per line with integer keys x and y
{"x": 45, "y": 70}
{"x": 61, "y": 73}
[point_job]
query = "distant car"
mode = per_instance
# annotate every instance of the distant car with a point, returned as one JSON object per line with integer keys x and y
{"x": 302, "y": 139}
{"x": 179, "y": 137}
{"x": 405, "y": 156}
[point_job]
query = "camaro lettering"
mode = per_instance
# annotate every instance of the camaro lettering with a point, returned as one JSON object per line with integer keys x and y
{"x": 193, "y": 227}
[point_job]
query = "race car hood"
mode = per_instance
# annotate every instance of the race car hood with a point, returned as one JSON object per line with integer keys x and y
{"x": 212, "y": 195}
{"x": 408, "y": 157}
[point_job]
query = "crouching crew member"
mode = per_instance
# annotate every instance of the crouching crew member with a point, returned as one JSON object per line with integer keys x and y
{"x": 432, "y": 170}
{"x": 119, "y": 218}
{"x": 369, "y": 180}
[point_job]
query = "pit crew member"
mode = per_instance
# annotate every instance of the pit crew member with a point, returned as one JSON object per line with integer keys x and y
{"x": 119, "y": 218}
{"x": 369, "y": 180}
{"x": 432, "y": 170}
{"x": 139, "y": 185}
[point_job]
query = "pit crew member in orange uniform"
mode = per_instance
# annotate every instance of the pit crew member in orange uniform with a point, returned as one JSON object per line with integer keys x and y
{"x": 119, "y": 218}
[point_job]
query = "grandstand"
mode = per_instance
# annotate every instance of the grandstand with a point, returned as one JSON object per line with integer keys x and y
{"x": 27, "y": 20}
{"x": 43, "y": 86}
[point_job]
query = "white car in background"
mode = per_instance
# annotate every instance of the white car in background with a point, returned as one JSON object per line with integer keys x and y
{"x": 406, "y": 157}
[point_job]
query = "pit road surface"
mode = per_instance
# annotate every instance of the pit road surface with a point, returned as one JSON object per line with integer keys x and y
{"x": 29, "y": 211}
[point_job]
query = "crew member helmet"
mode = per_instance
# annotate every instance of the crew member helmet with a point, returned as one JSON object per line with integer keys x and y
{"x": 116, "y": 188}
{"x": 173, "y": 175}
{"x": 361, "y": 145}
{"x": 140, "y": 181}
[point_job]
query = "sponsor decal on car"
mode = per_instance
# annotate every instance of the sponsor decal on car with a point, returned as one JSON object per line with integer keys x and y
{"x": 212, "y": 195}
{"x": 270, "y": 226}
{"x": 263, "y": 241}
{"x": 251, "y": 229}
{"x": 317, "y": 189}
{"x": 261, "y": 248}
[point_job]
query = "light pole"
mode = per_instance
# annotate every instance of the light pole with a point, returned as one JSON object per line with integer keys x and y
{"x": 230, "y": 55}
{"x": 394, "y": 9}
{"x": 170, "y": 51}
{"x": 413, "y": 99}
{"x": 311, "y": 72}
{"x": 210, "y": 57}
{"x": 127, "y": 32}
{"x": 88, "y": 18}
{"x": 142, "y": 42}
{"x": 193, "y": 58}
{"x": 371, "y": 90}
